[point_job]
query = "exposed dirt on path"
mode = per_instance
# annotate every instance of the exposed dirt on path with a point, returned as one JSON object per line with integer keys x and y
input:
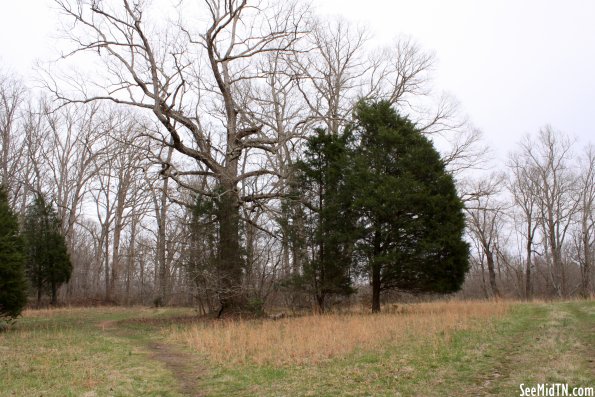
{"x": 182, "y": 365}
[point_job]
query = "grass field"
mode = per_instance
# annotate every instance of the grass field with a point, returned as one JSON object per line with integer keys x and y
{"x": 437, "y": 349}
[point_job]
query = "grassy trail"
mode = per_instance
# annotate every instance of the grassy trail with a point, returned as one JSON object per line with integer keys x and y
{"x": 131, "y": 352}
{"x": 85, "y": 352}
{"x": 537, "y": 343}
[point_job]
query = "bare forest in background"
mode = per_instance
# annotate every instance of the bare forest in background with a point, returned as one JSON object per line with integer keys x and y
{"x": 171, "y": 165}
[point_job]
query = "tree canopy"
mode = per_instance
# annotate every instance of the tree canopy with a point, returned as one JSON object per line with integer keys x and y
{"x": 380, "y": 203}
{"x": 410, "y": 217}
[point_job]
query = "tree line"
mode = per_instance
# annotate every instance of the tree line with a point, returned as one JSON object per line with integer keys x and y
{"x": 229, "y": 160}
{"x": 532, "y": 224}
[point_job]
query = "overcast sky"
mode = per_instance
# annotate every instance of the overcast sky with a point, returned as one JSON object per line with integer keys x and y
{"x": 514, "y": 65}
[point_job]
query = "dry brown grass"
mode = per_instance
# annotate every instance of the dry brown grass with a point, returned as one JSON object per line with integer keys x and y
{"x": 312, "y": 339}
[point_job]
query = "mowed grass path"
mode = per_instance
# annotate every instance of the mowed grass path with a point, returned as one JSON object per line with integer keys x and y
{"x": 80, "y": 352}
{"x": 448, "y": 349}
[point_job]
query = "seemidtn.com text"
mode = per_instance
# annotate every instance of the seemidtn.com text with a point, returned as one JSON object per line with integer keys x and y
{"x": 555, "y": 390}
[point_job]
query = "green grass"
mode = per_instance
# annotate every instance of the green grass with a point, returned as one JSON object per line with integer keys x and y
{"x": 68, "y": 353}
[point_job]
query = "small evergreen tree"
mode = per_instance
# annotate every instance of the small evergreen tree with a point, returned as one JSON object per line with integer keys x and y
{"x": 48, "y": 263}
{"x": 410, "y": 216}
{"x": 13, "y": 286}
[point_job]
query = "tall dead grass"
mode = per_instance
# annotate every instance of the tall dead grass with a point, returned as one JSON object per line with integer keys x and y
{"x": 312, "y": 339}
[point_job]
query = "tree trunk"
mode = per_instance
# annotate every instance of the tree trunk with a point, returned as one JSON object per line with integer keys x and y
{"x": 115, "y": 271}
{"x": 230, "y": 261}
{"x": 162, "y": 271}
{"x": 142, "y": 281}
{"x": 492, "y": 273}
{"x": 376, "y": 272}
{"x": 555, "y": 260}
{"x": 320, "y": 283}
{"x": 161, "y": 209}
{"x": 559, "y": 271}
{"x": 586, "y": 268}
{"x": 285, "y": 264}
{"x": 54, "y": 300}
{"x": 563, "y": 277}
{"x": 375, "y": 288}
{"x": 131, "y": 257}
{"x": 320, "y": 303}
{"x": 38, "y": 295}
{"x": 484, "y": 286}
{"x": 108, "y": 296}
{"x": 528, "y": 290}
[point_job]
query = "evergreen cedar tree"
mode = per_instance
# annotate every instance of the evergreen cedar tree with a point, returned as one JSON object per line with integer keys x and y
{"x": 384, "y": 205}
{"x": 328, "y": 224}
{"x": 48, "y": 263}
{"x": 409, "y": 214}
{"x": 13, "y": 286}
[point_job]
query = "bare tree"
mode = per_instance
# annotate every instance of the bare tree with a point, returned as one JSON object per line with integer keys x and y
{"x": 159, "y": 193}
{"x": 548, "y": 156}
{"x": 103, "y": 196}
{"x": 33, "y": 176}
{"x": 585, "y": 239}
{"x": 68, "y": 159}
{"x": 330, "y": 70}
{"x": 464, "y": 151}
{"x": 523, "y": 184}
{"x": 126, "y": 158}
{"x": 484, "y": 220}
{"x": 191, "y": 81}
{"x": 234, "y": 88}
{"x": 12, "y": 148}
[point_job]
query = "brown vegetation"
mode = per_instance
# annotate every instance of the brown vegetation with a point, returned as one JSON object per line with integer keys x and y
{"x": 312, "y": 339}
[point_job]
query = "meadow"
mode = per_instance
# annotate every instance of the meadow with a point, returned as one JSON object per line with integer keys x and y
{"x": 453, "y": 348}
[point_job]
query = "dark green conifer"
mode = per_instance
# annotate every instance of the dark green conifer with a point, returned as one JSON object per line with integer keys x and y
{"x": 48, "y": 263}
{"x": 13, "y": 286}
{"x": 409, "y": 214}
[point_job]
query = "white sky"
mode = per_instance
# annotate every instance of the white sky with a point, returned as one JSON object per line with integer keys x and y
{"x": 514, "y": 65}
